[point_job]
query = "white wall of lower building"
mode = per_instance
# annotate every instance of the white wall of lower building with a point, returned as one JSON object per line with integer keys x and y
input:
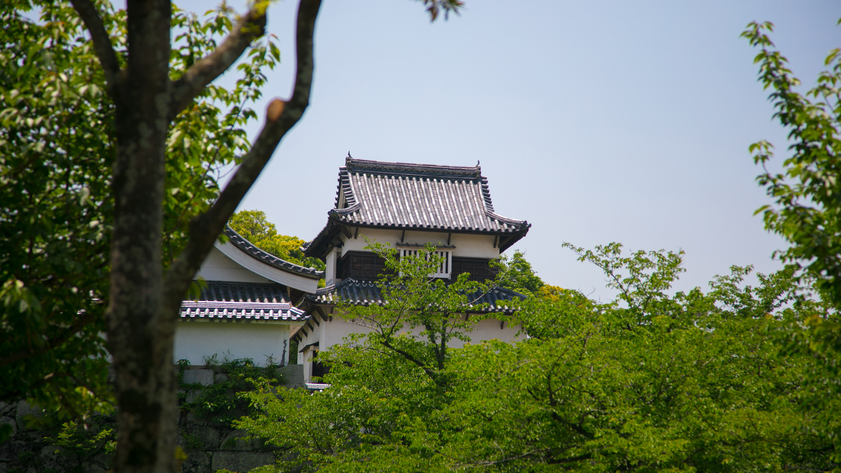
{"x": 195, "y": 340}
{"x": 333, "y": 332}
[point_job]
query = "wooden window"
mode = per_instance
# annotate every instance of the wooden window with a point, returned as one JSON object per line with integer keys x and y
{"x": 444, "y": 268}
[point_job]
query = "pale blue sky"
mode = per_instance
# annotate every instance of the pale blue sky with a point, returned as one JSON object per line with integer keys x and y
{"x": 596, "y": 121}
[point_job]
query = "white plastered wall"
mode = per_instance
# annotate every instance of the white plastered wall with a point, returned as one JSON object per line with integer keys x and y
{"x": 333, "y": 332}
{"x": 218, "y": 267}
{"x": 195, "y": 340}
{"x": 466, "y": 245}
{"x": 330, "y": 262}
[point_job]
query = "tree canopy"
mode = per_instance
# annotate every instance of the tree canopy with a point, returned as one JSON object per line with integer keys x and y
{"x": 58, "y": 139}
{"x": 156, "y": 130}
{"x": 650, "y": 381}
{"x": 806, "y": 210}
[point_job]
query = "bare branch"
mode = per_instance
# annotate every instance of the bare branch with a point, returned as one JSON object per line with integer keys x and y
{"x": 282, "y": 116}
{"x": 250, "y": 27}
{"x": 101, "y": 43}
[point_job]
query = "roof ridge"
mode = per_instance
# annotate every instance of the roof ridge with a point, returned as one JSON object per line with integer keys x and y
{"x": 407, "y": 169}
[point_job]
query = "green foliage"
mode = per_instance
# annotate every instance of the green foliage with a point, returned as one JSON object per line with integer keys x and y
{"x": 57, "y": 136}
{"x": 651, "y": 382}
{"x": 219, "y": 403}
{"x": 805, "y": 194}
{"x": 806, "y": 211}
{"x": 516, "y": 273}
{"x": 208, "y": 136}
{"x": 86, "y": 440}
{"x": 254, "y": 227}
{"x": 382, "y": 382}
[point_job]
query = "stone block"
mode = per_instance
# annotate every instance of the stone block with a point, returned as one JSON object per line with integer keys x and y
{"x": 236, "y": 441}
{"x": 202, "y": 376}
{"x": 240, "y": 461}
{"x": 197, "y": 462}
{"x": 208, "y": 437}
{"x": 192, "y": 395}
{"x": 25, "y": 412}
{"x": 8, "y": 409}
{"x": 293, "y": 375}
{"x": 220, "y": 378}
{"x": 9, "y": 421}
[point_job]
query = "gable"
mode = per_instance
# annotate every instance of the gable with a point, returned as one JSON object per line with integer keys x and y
{"x": 238, "y": 260}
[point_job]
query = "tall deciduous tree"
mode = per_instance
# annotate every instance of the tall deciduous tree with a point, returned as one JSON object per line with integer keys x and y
{"x": 148, "y": 276}
{"x": 144, "y": 299}
{"x": 516, "y": 273}
{"x": 650, "y": 382}
{"x": 58, "y": 139}
{"x": 806, "y": 208}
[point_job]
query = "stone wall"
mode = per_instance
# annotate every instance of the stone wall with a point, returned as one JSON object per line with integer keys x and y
{"x": 209, "y": 447}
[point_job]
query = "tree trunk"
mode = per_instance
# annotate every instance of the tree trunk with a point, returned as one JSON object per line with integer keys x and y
{"x": 143, "y": 305}
{"x": 139, "y": 333}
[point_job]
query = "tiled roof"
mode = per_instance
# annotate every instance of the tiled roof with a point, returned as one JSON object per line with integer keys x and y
{"x": 367, "y": 293}
{"x": 222, "y": 300}
{"x": 268, "y": 258}
{"x": 416, "y": 197}
{"x": 225, "y": 291}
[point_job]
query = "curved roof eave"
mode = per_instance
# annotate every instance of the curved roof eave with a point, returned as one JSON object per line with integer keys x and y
{"x": 260, "y": 262}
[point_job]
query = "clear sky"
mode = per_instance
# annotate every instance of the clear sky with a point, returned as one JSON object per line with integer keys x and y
{"x": 596, "y": 121}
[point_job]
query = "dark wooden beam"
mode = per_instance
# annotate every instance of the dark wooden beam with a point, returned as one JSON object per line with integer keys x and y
{"x": 321, "y": 313}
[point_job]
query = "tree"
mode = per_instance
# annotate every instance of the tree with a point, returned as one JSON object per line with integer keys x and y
{"x": 57, "y": 134}
{"x": 148, "y": 282}
{"x": 516, "y": 274}
{"x": 650, "y": 381}
{"x": 382, "y": 381}
{"x": 806, "y": 210}
{"x": 54, "y": 219}
{"x": 254, "y": 227}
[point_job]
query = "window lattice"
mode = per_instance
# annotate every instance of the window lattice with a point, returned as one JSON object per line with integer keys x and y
{"x": 444, "y": 267}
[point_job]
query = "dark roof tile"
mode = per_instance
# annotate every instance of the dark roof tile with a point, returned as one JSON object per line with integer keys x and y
{"x": 237, "y": 301}
{"x": 268, "y": 258}
{"x": 368, "y": 293}
{"x": 417, "y": 197}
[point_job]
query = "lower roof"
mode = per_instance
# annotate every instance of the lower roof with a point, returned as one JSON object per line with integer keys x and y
{"x": 495, "y": 299}
{"x": 241, "y": 301}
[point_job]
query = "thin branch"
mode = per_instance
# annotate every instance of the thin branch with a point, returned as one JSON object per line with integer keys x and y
{"x": 577, "y": 458}
{"x": 199, "y": 75}
{"x": 281, "y": 118}
{"x": 409, "y": 357}
{"x": 101, "y": 43}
